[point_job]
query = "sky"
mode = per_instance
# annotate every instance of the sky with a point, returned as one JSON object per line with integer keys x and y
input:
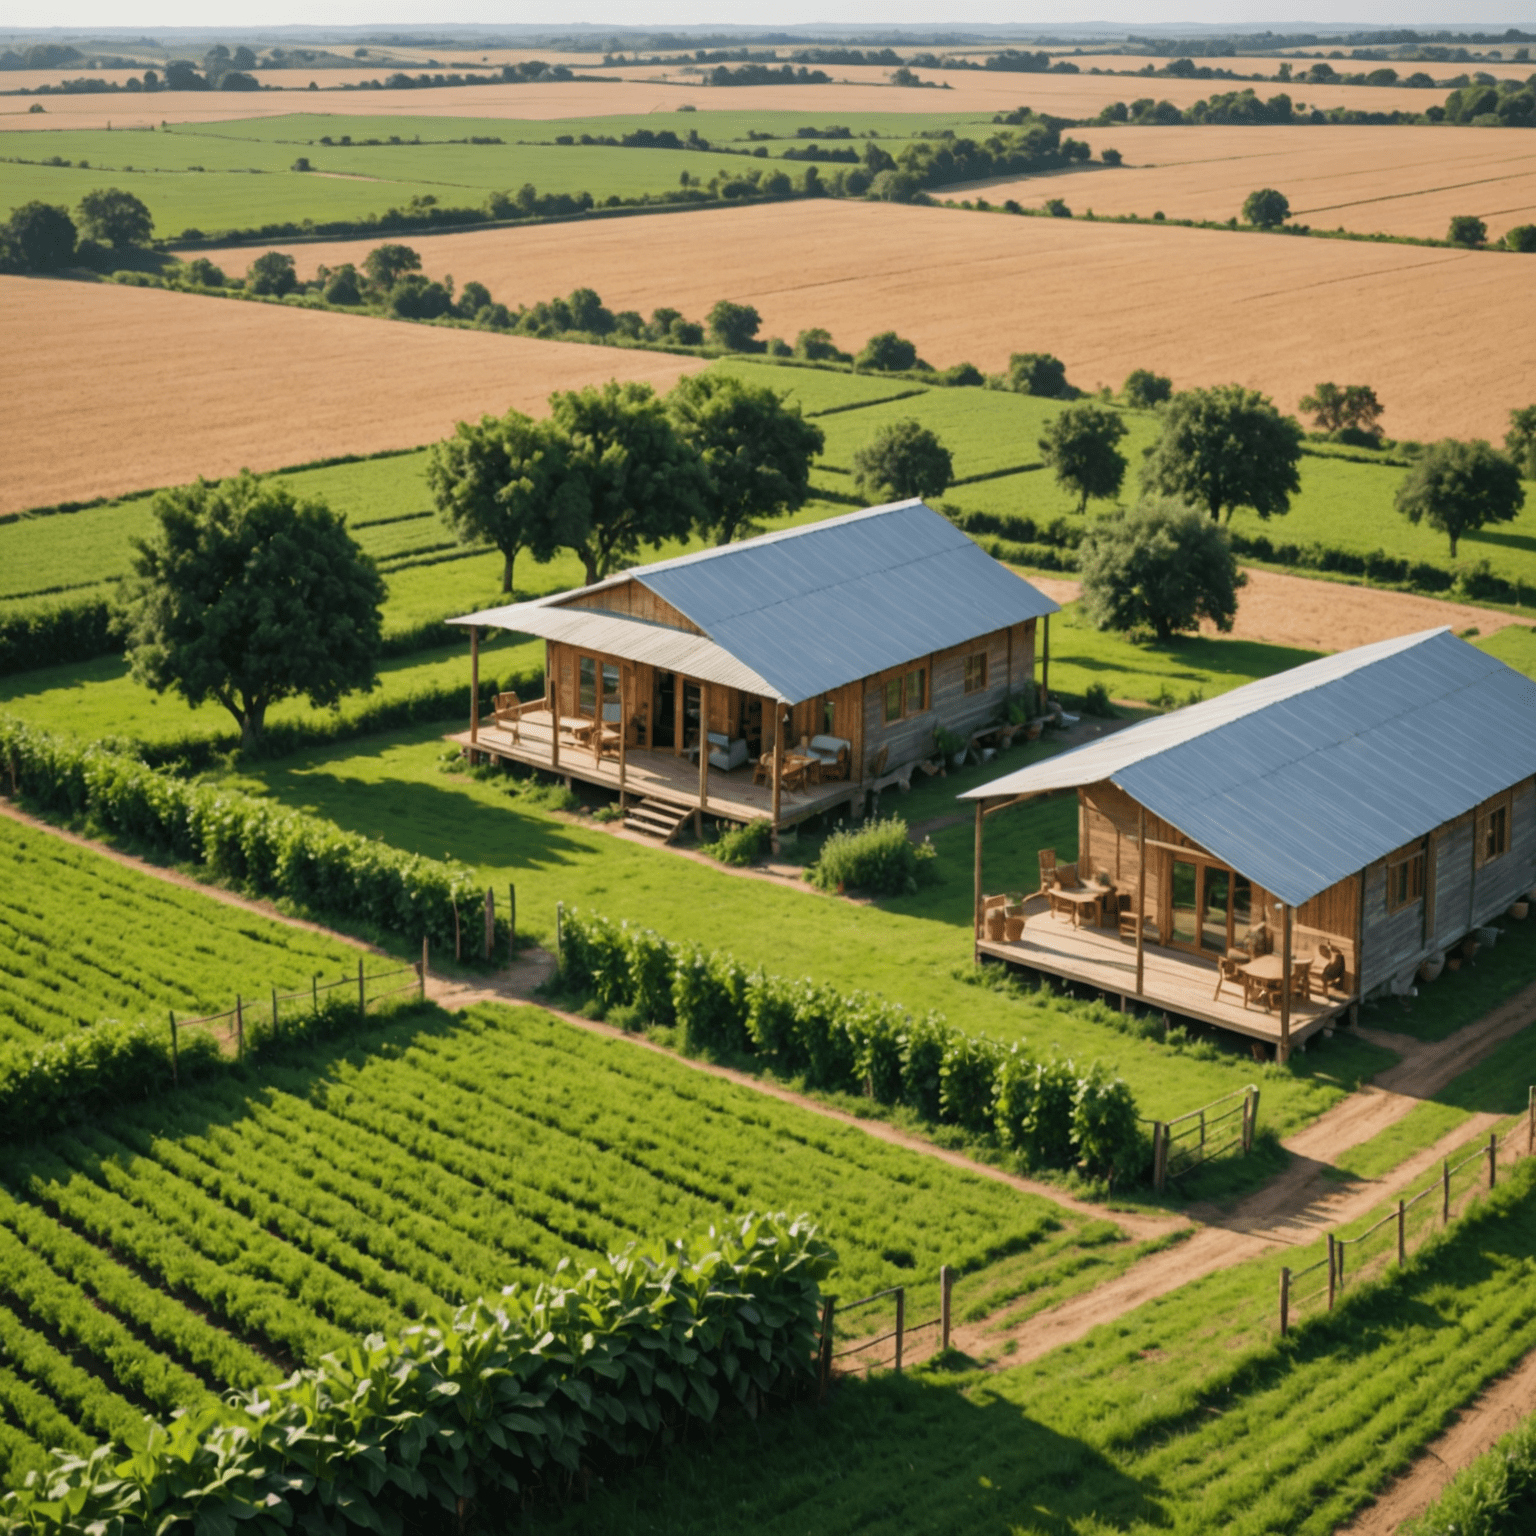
{"x": 924, "y": 14}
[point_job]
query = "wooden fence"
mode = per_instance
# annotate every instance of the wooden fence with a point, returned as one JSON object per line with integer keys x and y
{"x": 832, "y": 1310}
{"x": 227, "y": 1029}
{"x": 1407, "y": 1228}
{"x": 1187, "y": 1142}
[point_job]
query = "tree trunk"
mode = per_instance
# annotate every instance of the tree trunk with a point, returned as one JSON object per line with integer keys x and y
{"x": 506, "y": 571}
{"x": 253, "y": 719}
{"x": 590, "y": 561}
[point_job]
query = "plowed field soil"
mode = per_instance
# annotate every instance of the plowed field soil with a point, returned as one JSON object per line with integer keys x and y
{"x": 1340, "y": 178}
{"x": 112, "y": 389}
{"x": 1203, "y": 306}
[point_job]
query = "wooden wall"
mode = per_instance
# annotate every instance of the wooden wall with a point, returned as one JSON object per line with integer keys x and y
{"x": 1496, "y": 885}
{"x": 634, "y": 601}
{"x": 1450, "y": 860}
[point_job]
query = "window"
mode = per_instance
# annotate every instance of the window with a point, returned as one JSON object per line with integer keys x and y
{"x": 906, "y": 694}
{"x": 976, "y": 672}
{"x": 1405, "y": 880}
{"x": 1493, "y": 830}
{"x": 611, "y": 710}
{"x": 587, "y": 703}
{"x": 828, "y": 716}
{"x": 893, "y": 700}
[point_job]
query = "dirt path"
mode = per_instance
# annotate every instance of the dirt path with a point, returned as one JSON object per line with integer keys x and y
{"x": 1325, "y": 615}
{"x": 1500, "y": 1406}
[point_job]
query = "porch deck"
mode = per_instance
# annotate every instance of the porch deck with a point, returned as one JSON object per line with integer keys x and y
{"x": 660, "y": 775}
{"x": 1172, "y": 979}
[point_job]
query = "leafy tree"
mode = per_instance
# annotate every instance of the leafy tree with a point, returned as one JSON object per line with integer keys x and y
{"x": 245, "y": 596}
{"x": 1521, "y": 237}
{"x": 1080, "y": 446}
{"x": 887, "y": 353}
{"x": 1163, "y": 566}
{"x": 182, "y": 75}
{"x": 507, "y": 481}
{"x": 272, "y": 273}
{"x": 1520, "y": 440}
{"x": 1354, "y": 408}
{"x": 1266, "y": 208}
{"x": 1466, "y": 229}
{"x": 39, "y": 238}
{"x": 1459, "y": 487}
{"x": 1038, "y": 373}
{"x": 637, "y": 481}
{"x": 902, "y": 460}
{"x": 1224, "y": 448}
{"x": 756, "y": 449}
{"x": 733, "y": 326}
{"x": 342, "y": 285}
{"x": 116, "y": 217}
{"x": 817, "y": 345}
{"x": 1144, "y": 389}
{"x": 203, "y": 272}
{"x": 415, "y": 297}
{"x": 473, "y": 297}
{"x": 387, "y": 264}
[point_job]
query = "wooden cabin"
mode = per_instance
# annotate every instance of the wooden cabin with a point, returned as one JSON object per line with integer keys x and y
{"x": 1267, "y": 859}
{"x": 775, "y": 678}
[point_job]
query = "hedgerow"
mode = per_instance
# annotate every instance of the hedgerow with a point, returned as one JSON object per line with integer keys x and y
{"x": 514, "y": 1395}
{"x": 1051, "y": 1113}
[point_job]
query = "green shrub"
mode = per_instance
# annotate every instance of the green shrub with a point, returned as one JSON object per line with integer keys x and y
{"x": 709, "y": 1000}
{"x": 511, "y": 1397}
{"x": 875, "y": 1031}
{"x": 1046, "y": 1127}
{"x": 51, "y": 637}
{"x": 922, "y": 1057}
{"x": 743, "y": 845}
{"x": 773, "y": 1023}
{"x": 826, "y": 1044}
{"x": 876, "y": 857}
{"x": 650, "y": 975}
{"x": 1106, "y": 1133}
{"x": 1013, "y": 1096}
{"x": 966, "y": 1078}
{"x": 1096, "y": 702}
{"x": 607, "y": 955}
{"x": 1493, "y": 1496}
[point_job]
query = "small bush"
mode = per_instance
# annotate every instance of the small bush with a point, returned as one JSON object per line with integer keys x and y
{"x": 651, "y": 972}
{"x": 826, "y": 1044}
{"x": 877, "y": 857}
{"x": 1106, "y": 1134}
{"x": 922, "y": 1058}
{"x": 1046, "y": 1127}
{"x": 709, "y": 1000}
{"x": 744, "y": 845}
{"x": 773, "y": 1023}
{"x": 1096, "y": 702}
{"x": 876, "y": 1031}
{"x": 966, "y": 1077}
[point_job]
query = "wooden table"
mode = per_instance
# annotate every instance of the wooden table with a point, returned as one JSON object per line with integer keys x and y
{"x": 1264, "y": 974}
{"x": 1077, "y": 899}
{"x": 797, "y": 769}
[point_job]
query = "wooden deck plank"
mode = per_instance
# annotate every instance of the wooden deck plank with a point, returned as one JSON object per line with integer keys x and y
{"x": 659, "y": 775}
{"x": 1179, "y": 982}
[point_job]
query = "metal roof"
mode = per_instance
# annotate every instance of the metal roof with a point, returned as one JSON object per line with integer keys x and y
{"x": 1302, "y": 779}
{"x": 810, "y": 609}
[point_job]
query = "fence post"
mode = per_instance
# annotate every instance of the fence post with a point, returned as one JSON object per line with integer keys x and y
{"x": 1332, "y": 1248}
{"x": 1159, "y": 1155}
{"x": 490, "y": 921}
{"x": 824, "y": 1370}
{"x": 1253, "y": 1119}
{"x": 1202, "y": 1135}
{"x": 1285, "y": 1301}
{"x": 274, "y": 1013}
{"x": 1402, "y": 1235}
{"x": 946, "y": 1286}
{"x": 175, "y": 1054}
{"x": 901, "y": 1320}
{"x": 1530, "y": 1120}
{"x": 511, "y": 923}
{"x": 239, "y": 1028}
{"x": 559, "y": 935}
{"x": 426, "y": 950}
{"x": 1493, "y": 1158}
{"x": 1445, "y": 1192}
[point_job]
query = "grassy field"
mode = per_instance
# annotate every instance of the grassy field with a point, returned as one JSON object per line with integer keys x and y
{"x": 83, "y": 938}
{"x": 1187, "y": 1415}
{"x": 222, "y": 1236}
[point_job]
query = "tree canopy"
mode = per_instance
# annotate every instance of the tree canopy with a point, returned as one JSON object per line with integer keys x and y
{"x": 272, "y": 273}
{"x": 507, "y": 481}
{"x": 1162, "y": 566}
{"x": 245, "y": 596}
{"x": 37, "y": 237}
{"x": 1144, "y": 389}
{"x": 1224, "y": 448}
{"x": 1459, "y": 487}
{"x": 1354, "y": 408}
{"x": 756, "y": 450}
{"x": 1266, "y": 208}
{"x": 887, "y": 353}
{"x": 116, "y": 217}
{"x": 386, "y": 264}
{"x": 733, "y": 326}
{"x": 1080, "y": 446}
{"x": 637, "y": 481}
{"x": 1467, "y": 229}
{"x": 1520, "y": 440}
{"x": 902, "y": 460}
{"x": 1038, "y": 373}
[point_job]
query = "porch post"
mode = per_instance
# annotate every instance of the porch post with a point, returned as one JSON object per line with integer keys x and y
{"x": 703, "y": 755}
{"x": 679, "y": 712}
{"x": 976, "y": 905}
{"x": 1141, "y": 895}
{"x": 623, "y": 733}
{"x": 778, "y": 759}
{"x": 1284, "y": 1053}
{"x": 474, "y": 687}
{"x": 1045, "y": 664}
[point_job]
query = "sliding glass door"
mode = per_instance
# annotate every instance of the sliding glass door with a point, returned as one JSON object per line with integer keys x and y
{"x": 1210, "y": 907}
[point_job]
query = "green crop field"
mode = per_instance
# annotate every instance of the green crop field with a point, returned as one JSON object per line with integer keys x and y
{"x": 219, "y": 1237}
{"x": 239, "y": 175}
{"x": 82, "y": 938}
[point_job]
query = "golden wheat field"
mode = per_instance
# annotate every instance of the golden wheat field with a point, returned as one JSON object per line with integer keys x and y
{"x": 1205, "y": 306}
{"x": 112, "y": 389}
{"x": 1401, "y": 181}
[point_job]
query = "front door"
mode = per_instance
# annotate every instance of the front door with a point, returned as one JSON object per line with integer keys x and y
{"x": 666, "y": 708}
{"x": 1210, "y": 907}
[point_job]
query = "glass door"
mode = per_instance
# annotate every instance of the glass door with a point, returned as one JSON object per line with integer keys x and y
{"x": 1210, "y": 907}
{"x": 1186, "y": 903}
{"x": 1215, "y": 909}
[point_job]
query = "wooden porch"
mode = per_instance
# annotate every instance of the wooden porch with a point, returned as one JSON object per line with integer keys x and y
{"x": 1171, "y": 979}
{"x": 658, "y": 775}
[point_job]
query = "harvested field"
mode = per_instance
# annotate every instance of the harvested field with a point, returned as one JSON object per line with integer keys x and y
{"x": 1203, "y": 306}
{"x": 854, "y": 89}
{"x": 162, "y": 387}
{"x": 1399, "y": 181}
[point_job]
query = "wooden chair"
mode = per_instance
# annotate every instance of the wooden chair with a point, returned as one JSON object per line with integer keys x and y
{"x": 1125, "y": 906}
{"x": 1331, "y": 972}
{"x": 762, "y": 771}
{"x": 1047, "y": 868}
{"x": 878, "y": 761}
{"x": 1066, "y": 877}
{"x": 1227, "y": 971}
{"x": 1301, "y": 979}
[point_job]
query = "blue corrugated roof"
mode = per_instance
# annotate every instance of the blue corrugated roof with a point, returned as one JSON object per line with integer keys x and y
{"x": 1302, "y": 779}
{"x": 815, "y": 607}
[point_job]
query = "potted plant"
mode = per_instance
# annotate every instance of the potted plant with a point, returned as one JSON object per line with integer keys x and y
{"x": 950, "y": 746}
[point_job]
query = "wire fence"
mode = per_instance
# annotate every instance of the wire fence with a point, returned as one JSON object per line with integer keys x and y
{"x": 228, "y": 1029}
{"x": 1189, "y": 1141}
{"x": 833, "y": 1311}
{"x": 1450, "y": 1194}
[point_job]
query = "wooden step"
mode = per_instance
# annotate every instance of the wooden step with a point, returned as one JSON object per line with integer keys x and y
{"x": 655, "y": 818}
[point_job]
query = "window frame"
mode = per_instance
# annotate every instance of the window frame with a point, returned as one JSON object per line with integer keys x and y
{"x": 587, "y": 675}
{"x": 1497, "y": 812}
{"x": 1409, "y": 869}
{"x": 921, "y": 676}
{"x": 978, "y": 660}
